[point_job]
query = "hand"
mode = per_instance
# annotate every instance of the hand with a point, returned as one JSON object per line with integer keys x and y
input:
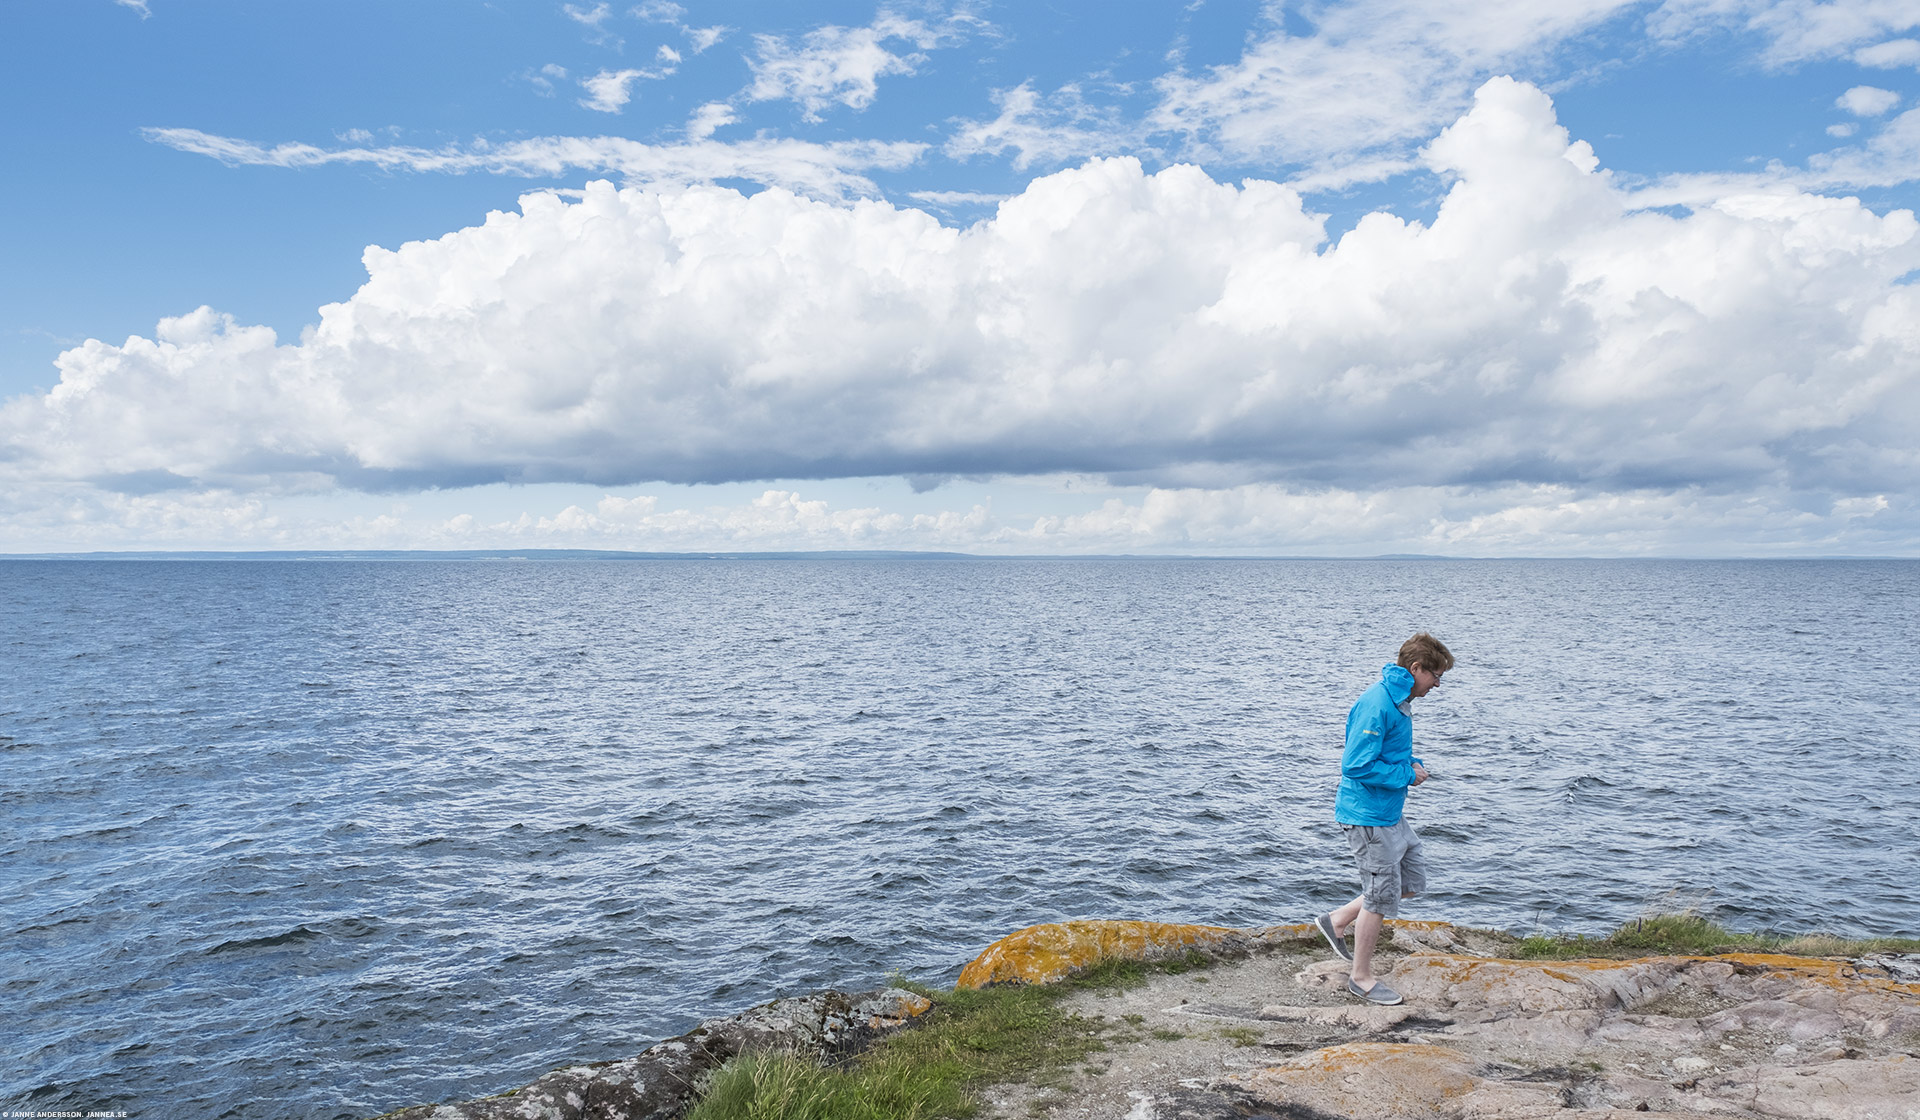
{"x": 1419, "y": 773}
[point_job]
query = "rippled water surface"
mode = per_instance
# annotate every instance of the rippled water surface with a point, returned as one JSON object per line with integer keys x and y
{"x": 321, "y": 839}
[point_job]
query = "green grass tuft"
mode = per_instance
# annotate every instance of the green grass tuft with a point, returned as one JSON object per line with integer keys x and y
{"x": 1006, "y": 1033}
{"x": 1240, "y": 1037}
{"x": 1689, "y": 934}
{"x": 1021, "y": 1033}
{"x": 779, "y": 1087}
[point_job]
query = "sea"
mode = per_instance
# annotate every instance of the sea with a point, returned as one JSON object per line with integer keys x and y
{"x": 325, "y": 838}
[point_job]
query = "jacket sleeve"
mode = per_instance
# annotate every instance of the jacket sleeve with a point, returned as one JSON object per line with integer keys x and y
{"x": 1362, "y": 761}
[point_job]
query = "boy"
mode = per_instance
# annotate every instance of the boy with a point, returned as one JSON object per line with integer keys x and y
{"x": 1376, "y": 770}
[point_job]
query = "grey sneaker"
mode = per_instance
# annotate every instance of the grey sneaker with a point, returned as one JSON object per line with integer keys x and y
{"x": 1379, "y": 993}
{"x": 1339, "y": 944}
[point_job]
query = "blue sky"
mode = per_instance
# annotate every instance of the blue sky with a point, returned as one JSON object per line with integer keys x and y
{"x": 989, "y": 277}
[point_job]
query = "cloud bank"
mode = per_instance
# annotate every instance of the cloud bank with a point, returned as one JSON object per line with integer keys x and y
{"x": 1543, "y": 354}
{"x": 1259, "y": 518}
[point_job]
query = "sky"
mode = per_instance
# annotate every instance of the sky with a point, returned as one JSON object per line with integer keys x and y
{"x": 1590, "y": 277}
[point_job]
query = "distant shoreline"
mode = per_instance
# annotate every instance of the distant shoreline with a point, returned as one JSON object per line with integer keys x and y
{"x": 578, "y": 554}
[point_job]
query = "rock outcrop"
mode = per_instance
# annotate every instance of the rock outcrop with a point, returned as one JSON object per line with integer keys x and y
{"x": 1269, "y": 1032}
{"x": 1045, "y": 953}
{"x": 659, "y": 1083}
{"x": 1483, "y": 1038}
{"x": 1736, "y": 1035}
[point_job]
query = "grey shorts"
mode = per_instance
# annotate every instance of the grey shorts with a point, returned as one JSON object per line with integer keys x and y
{"x": 1391, "y": 864}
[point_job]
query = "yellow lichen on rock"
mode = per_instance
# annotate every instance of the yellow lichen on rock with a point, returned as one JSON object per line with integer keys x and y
{"x": 1531, "y": 986}
{"x": 1369, "y": 1079}
{"x": 1836, "y": 974}
{"x": 1045, "y": 953}
{"x": 905, "y": 1006}
{"x": 1484, "y": 1037}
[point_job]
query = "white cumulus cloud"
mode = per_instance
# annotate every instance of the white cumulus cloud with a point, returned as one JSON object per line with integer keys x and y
{"x": 709, "y": 118}
{"x": 1346, "y": 99}
{"x": 840, "y": 65}
{"x": 1543, "y": 353}
{"x": 1890, "y": 55}
{"x": 1342, "y": 91}
{"x": 1867, "y": 101}
{"x": 659, "y": 11}
{"x": 609, "y": 90}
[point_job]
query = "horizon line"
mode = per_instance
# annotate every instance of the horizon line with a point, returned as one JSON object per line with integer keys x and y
{"x": 402, "y": 554}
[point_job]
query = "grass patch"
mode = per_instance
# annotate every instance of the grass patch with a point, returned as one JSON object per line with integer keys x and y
{"x": 779, "y": 1087}
{"x": 1006, "y": 1033}
{"x": 1186, "y": 962}
{"x": 1690, "y": 934}
{"x": 1241, "y": 1037}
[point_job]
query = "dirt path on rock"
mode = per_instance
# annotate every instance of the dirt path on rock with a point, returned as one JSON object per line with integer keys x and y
{"x": 1272, "y": 1035}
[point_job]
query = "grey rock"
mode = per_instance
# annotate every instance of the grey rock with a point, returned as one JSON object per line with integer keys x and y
{"x": 1191, "y": 1104}
{"x": 661, "y": 1081}
{"x": 1904, "y": 967}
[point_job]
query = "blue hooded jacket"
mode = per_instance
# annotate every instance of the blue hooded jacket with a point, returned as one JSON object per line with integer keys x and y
{"x": 1377, "y": 767}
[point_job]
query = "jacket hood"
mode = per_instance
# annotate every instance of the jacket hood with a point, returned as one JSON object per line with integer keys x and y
{"x": 1399, "y": 683}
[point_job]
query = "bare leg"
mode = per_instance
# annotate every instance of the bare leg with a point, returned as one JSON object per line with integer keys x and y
{"x": 1343, "y": 917}
{"x": 1365, "y": 937}
{"x": 1366, "y": 934}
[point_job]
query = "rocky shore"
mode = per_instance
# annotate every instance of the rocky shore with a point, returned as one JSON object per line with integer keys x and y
{"x": 1266, "y": 1031}
{"x": 659, "y": 1083}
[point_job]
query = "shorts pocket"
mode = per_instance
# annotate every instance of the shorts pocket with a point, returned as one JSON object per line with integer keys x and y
{"x": 1371, "y": 850}
{"x": 1375, "y": 859}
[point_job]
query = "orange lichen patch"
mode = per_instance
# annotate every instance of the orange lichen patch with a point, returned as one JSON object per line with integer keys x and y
{"x": 909, "y": 1006}
{"x": 1835, "y": 974}
{"x": 1457, "y": 968}
{"x": 1838, "y": 974}
{"x": 1542, "y": 986}
{"x": 1045, "y": 953}
{"x": 1533, "y": 986}
{"x": 1783, "y": 962}
{"x": 1813, "y": 967}
{"x": 1365, "y": 1079}
{"x": 1440, "y": 1062}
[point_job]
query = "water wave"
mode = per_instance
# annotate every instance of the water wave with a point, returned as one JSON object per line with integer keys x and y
{"x": 323, "y": 839}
